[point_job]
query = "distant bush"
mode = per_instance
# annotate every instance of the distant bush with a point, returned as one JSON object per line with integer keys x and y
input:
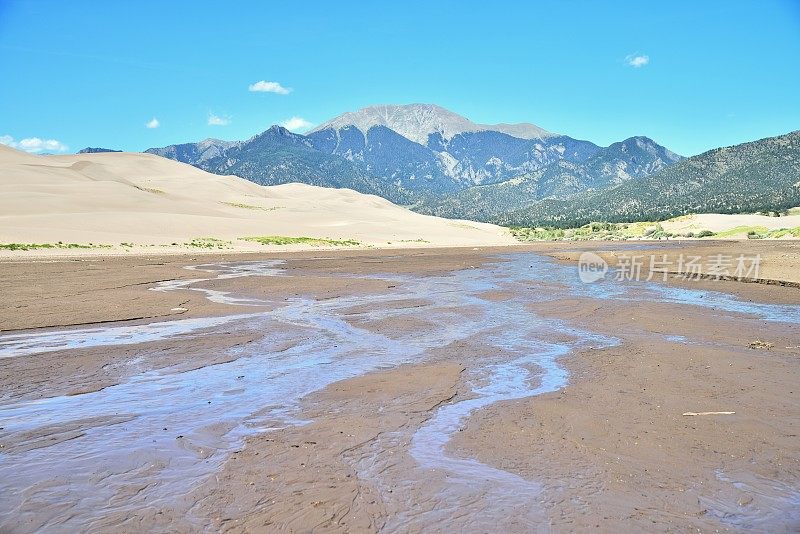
{"x": 59, "y": 245}
{"x": 313, "y": 241}
{"x": 208, "y": 242}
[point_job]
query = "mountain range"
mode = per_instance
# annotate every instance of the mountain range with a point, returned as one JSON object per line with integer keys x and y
{"x": 422, "y": 155}
{"x": 759, "y": 176}
{"x": 621, "y": 162}
{"x": 440, "y": 163}
{"x": 275, "y": 157}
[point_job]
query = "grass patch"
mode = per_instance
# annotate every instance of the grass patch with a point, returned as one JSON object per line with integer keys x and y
{"x": 418, "y": 240}
{"x": 313, "y": 241}
{"x": 739, "y": 230}
{"x": 596, "y": 231}
{"x": 208, "y": 242}
{"x": 251, "y": 206}
{"x": 538, "y": 234}
{"x": 59, "y": 245}
{"x": 776, "y": 234}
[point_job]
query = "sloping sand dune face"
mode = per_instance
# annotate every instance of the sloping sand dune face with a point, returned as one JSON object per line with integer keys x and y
{"x": 143, "y": 199}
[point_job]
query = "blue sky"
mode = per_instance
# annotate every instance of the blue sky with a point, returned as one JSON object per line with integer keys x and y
{"x": 708, "y": 73}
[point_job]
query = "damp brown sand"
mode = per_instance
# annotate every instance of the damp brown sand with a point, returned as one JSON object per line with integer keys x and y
{"x": 610, "y": 450}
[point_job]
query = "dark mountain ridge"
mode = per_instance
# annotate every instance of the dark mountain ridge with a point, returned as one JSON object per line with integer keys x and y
{"x": 761, "y": 175}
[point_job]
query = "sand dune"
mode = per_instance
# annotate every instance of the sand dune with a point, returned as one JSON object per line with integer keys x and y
{"x": 110, "y": 198}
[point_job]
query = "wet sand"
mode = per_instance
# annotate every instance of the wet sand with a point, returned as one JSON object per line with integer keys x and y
{"x": 452, "y": 427}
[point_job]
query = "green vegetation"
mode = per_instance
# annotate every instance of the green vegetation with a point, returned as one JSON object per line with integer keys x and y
{"x": 759, "y": 232}
{"x": 418, "y": 240}
{"x": 313, "y": 241}
{"x": 208, "y": 242}
{"x": 538, "y": 234}
{"x": 603, "y": 231}
{"x": 752, "y": 232}
{"x": 742, "y": 230}
{"x": 251, "y": 207}
{"x": 59, "y": 245}
{"x": 596, "y": 231}
{"x": 776, "y": 234}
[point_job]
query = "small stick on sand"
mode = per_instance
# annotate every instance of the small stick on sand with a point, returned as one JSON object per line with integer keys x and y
{"x": 709, "y": 413}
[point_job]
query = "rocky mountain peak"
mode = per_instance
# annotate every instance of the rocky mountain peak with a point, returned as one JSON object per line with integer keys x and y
{"x": 418, "y": 121}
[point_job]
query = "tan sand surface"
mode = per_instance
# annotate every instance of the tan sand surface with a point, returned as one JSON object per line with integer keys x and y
{"x": 613, "y": 448}
{"x": 143, "y": 199}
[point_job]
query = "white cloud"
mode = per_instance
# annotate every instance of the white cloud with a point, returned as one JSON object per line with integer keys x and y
{"x": 296, "y": 123}
{"x": 214, "y": 120}
{"x": 269, "y": 87}
{"x": 34, "y": 144}
{"x": 637, "y": 60}
{"x": 153, "y": 123}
